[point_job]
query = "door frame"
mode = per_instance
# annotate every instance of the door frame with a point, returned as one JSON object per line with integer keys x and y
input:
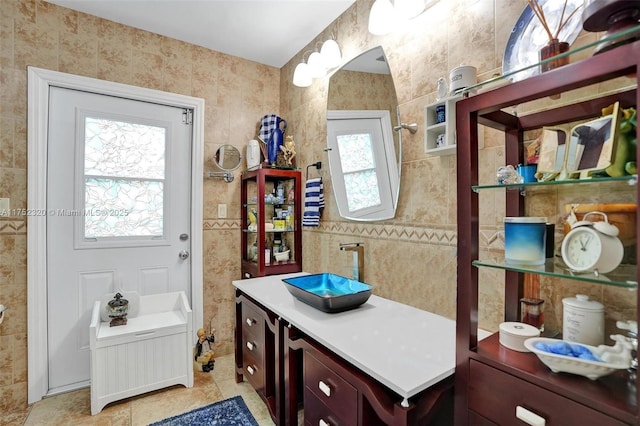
{"x": 39, "y": 82}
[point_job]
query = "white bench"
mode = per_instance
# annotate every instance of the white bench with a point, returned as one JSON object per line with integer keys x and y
{"x": 152, "y": 351}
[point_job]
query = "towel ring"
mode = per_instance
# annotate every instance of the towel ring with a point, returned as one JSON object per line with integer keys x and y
{"x": 317, "y": 165}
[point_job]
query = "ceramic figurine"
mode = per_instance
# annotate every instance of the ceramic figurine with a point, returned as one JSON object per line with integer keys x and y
{"x": 203, "y": 354}
{"x": 289, "y": 150}
{"x": 117, "y": 310}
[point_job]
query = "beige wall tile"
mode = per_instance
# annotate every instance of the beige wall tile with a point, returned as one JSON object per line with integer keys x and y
{"x": 411, "y": 259}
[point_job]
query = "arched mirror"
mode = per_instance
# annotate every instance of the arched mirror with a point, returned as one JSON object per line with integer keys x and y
{"x": 227, "y": 158}
{"x": 363, "y": 138}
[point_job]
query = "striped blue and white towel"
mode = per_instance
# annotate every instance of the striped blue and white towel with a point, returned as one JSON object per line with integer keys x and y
{"x": 313, "y": 202}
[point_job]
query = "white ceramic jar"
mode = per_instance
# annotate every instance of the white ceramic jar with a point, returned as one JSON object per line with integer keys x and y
{"x": 461, "y": 77}
{"x": 253, "y": 153}
{"x": 583, "y": 320}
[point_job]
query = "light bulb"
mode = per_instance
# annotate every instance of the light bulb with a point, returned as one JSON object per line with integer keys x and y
{"x": 330, "y": 52}
{"x": 317, "y": 68}
{"x": 302, "y": 76}
{"x": 382, "y": 17}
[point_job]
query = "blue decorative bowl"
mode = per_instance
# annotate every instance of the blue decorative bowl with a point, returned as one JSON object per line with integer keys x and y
{"x": 328, "y": 292}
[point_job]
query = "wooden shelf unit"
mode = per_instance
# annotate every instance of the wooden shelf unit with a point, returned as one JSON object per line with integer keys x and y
{"x": 483, "y": 366}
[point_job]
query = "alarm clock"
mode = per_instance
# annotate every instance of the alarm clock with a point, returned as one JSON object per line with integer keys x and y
{"x": 592, "y": 246}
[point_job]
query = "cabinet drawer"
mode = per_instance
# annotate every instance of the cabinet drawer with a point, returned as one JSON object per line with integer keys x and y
{"x": 340, "y": 397}
{"x": 316, "y": 413}
{"x": 253, "y": 371}
{"x": 495, "y": 395}
{"x": 252, "y": 322}
{"x": 252, "y": 347}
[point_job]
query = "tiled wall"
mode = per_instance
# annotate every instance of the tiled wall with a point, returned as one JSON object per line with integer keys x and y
{"x": 411, "y": 259}
{"x": 237, "y": 93}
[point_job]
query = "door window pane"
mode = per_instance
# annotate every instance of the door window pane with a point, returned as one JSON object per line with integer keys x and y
{"x": 123, "y": 208}
{"x": 121, "y": 149}
{"x": 124, "y": 172}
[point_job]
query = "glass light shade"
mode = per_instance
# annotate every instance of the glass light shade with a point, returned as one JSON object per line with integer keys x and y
{"x": 302, "y": 76}
{"x": 331, "y": 55}
{"x": 382, "y": 17}
{"x": 317, "y": 67}
{"x": 408, "y": 9}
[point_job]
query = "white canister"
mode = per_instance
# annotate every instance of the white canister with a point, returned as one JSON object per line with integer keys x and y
{"x": 461, "y": 77}
{"x": 253, "y": 153}
{"x": 583, "y": 320}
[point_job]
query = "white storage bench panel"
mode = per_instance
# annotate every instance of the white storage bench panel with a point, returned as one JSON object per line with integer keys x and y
{"x": 152, "y": 351}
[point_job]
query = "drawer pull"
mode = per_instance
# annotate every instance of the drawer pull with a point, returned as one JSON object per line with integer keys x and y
{"x": 529, "y": 417}
{"x": 250, "y": 346}
{"x": 324, "y": 388}
{"x": 250, "y": 322}
{"x": 145, "y": 333}
{"x": 323, "y": 423}
{"x": 251, "y": 370}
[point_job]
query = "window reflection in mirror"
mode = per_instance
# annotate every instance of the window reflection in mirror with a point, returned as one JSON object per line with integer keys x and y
{"x": 364, "y": 151}
{"x": 227, "y": 157}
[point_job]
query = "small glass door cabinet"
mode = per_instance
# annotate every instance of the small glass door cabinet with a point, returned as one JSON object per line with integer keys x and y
{"x": 271, "y": 222}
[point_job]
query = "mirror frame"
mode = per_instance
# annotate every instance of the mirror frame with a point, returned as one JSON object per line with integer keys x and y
{"x": 227, "y": 173}
{"x": 391, "y": 137}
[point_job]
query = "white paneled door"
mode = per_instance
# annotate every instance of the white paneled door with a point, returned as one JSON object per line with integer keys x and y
{"x": 118, "y": 213}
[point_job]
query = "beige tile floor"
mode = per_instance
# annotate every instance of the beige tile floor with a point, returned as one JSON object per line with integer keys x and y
{"x": 74, "y": 408}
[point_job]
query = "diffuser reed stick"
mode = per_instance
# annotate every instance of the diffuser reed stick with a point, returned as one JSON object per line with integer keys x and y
{"x": 539, "y": 11}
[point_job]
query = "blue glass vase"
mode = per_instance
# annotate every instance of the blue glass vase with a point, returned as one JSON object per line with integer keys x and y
{"x": 275, "y": 141}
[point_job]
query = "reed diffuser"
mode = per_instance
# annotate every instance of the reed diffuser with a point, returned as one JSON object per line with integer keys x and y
{"x": 554, "y": 46}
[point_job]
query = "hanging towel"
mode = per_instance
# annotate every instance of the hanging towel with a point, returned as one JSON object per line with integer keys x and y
{"x": 313, "y": 202}
{"x": 268, "y": 124}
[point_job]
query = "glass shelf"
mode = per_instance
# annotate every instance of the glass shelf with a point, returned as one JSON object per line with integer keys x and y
{"x": 631, "y": 179}
{"x": 268, "y": 204}
{"x": 624, "y": 276}
{"x": 269, "y": 231}
{"x": 505, "y": 78}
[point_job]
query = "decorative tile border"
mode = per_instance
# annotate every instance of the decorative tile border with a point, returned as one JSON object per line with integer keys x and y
{"x": 220, "y": 224}
{"x": 11, "y": 226}
{"x": 446, "y": 236}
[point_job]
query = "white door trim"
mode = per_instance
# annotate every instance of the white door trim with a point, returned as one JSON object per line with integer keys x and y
{"x": 39, "y": 82}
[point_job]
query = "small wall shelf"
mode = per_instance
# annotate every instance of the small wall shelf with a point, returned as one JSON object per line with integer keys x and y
{"x": 447, "y": 128}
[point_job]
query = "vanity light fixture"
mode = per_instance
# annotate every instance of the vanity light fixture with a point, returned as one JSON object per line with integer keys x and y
{"x": 317, "y": 69}
{"x": 318, "y": 64}
{"x": 302, "y": 75}
{"x": 331, "y": 55}
{"x": 386, "y": 17}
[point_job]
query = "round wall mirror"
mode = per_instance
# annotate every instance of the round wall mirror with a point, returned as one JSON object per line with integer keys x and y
{"x": 227, "y": 158}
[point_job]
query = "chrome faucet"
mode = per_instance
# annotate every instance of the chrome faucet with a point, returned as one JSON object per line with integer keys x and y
{"x": 358, "y": 258}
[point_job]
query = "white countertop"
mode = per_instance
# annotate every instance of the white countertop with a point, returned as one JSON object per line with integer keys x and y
{"x": 404, "y": 348}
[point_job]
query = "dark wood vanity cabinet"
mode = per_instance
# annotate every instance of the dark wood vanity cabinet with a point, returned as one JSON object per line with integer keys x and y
{"x": 255, "y": 349}
{"x": 329, "y": 399}
{"x": 491, "y": 381}
{"x": 294, "y": 374}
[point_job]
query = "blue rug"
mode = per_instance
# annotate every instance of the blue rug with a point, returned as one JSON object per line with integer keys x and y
{"x": 229, "y": 412}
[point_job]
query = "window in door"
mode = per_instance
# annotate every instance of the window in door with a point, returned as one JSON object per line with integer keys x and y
{"x": 124, "y": 180}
